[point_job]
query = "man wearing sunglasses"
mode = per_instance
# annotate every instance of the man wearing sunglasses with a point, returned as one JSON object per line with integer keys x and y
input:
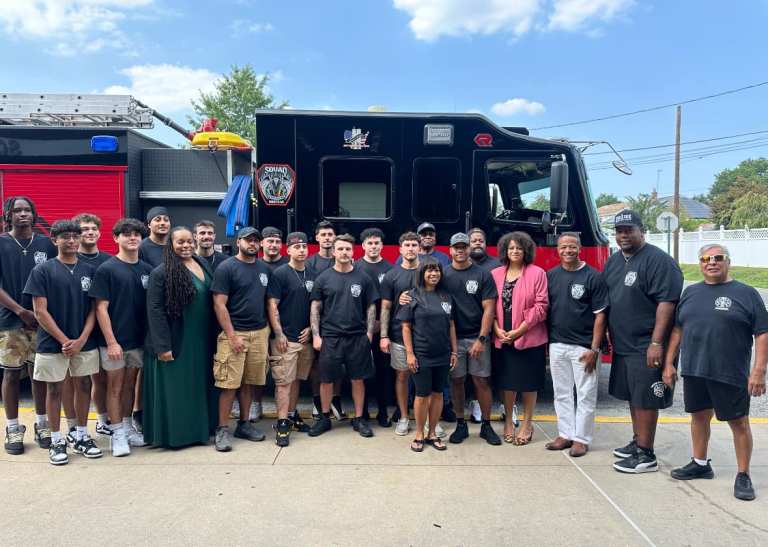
{"x": 717, "y": 321}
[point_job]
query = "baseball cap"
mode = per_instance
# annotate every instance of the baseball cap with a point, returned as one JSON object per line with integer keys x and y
{"x": 271, "y": 231}
{"x": 296, "y": 237}
{"x": 156, "y": 212}
{"x": 459, "y": 238}
{"x": 425, "y": 226}
{"x": 248, "y": 231}
{"x": 627, "y": 217}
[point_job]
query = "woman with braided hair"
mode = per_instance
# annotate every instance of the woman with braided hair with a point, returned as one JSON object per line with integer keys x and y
{"x": 177, "y": 379}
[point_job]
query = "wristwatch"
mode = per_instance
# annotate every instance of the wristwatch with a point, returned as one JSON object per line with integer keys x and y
{"x": 659, "y": 344}
{"x": 595, "y": 350}
{"x": 483, "y": 339}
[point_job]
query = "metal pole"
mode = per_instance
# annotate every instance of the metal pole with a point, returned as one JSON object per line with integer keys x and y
{"x": 669, "y": 232}
{"x": 676, "y": 199}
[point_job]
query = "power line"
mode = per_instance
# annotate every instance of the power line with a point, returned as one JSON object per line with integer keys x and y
{"x": 654, "y": 108}
{"x": 692, "y": 157}
{"x": 689, "y": 152}
{"x": 682, "y": 143}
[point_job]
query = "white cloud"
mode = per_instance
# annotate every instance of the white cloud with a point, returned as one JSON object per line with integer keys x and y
{"x": 431, "y": 19}
{"x": 241, "y": 26}
{"x": 167, "y": 88}
{"x": 69, "y": 27}
{"x": 511, "y": 107}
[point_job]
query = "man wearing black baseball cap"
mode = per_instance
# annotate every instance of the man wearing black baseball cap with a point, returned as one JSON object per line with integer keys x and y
{"x": 644, "y": 285}
{"x": 427, "y": 239}
{"x": 271, "y": 245}
{"x": 151, "y": 248}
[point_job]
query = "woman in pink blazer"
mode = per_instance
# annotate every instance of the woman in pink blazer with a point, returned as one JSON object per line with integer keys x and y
{"x": 520, "y": 329}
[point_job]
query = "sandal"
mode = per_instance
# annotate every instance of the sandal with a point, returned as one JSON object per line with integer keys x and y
{"x": 417, "y": 445}
{"x": 437, "y": 443}
{"x": 509, "y": 438}
{"x": 522, "y": 441}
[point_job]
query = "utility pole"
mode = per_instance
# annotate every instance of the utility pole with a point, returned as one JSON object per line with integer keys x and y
{"x": 676, "y": 198}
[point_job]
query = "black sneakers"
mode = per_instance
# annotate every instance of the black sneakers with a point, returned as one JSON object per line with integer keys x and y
{"x": 490, "y": 436}
{"x": 382, "y": 418}
{"x": 642, "y": 461}
{"x": 361, "y": 426}
{"x": 43, "y": 436}
{"x": 693, "y": 471}
{"x": 337, "y": 410}
{"x": 449, "y": 415}
{"x": 283, "y": 433}
{"x": 14, "y": 439}
{"x": 321, "y": 425}
{"x": 460, "y": 433}
{"x": 297, "y": 424}
{"x": 627, "y": 450}
{"x": 742, "y": 488}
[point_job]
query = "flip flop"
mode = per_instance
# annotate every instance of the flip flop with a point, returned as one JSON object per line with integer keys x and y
{"x": 509, "y": 438}
{"x": 417, "y": 445}
{"x": 522, "y": 441}
{"x": 437, "y": 443}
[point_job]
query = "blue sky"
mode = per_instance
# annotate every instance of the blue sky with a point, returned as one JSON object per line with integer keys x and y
{"x": 521, "y": 62}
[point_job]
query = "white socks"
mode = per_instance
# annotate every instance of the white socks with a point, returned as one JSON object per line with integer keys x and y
{"x": 13, "y": 424}
{"x": 102, "y": 419}
{"x": 71, "y": 422}
{"x": 55, "y": 437}
{"x": 702, "y": 463}
{"x": 41, "y": 419}
{"x": 81, "y": 432}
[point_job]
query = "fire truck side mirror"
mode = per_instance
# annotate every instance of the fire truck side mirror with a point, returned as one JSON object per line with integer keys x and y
{"x": 558, "y": 193}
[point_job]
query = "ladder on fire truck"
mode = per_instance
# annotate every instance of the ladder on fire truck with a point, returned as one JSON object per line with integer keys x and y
{"x": 79, "y": 110}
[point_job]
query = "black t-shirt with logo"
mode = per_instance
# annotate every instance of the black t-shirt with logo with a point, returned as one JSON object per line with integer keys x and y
{"x": 292, "y": 288}
{"x": 319, "y": 263}
{"x": 718, "y": 323}
{"x": 151, "y": 253}
{"x": 635, "y": 289}
{"x": 574, "y": 298}
{"x": 65, "y": 286}
{"x": 376, "y": 271}
{"x": 345, "y": 297}
{"x": 469, "y": 287}
{"x": 124, "y": 286}
{"x": 396, "y": 281}
{"x": 276, "y": 264}
{"x": 15, "y": 267}
{"x": 430, "y": 314}
{"x": 246, "y": 285}
{"x": 215, "y": 260}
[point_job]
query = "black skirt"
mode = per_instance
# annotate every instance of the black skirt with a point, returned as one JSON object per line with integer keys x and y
{"x": 522, "y": 369}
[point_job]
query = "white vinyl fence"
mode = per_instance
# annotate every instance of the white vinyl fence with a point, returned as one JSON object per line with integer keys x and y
{"x": 748, "y": 247}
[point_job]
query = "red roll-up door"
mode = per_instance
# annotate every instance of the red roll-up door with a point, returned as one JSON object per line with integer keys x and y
{"x": 63, "y": 191}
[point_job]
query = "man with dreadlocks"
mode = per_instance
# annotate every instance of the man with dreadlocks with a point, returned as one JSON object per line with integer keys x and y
{"x": 20, "y": 250}
{"x": 180, "y": 319}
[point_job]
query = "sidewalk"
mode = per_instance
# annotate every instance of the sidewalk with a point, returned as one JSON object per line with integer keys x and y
{"x": 345, "y": 490}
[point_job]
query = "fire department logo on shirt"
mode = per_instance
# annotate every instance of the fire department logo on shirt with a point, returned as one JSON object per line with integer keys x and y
{"x": 309, "y": 284}
{"x": 381, "y": 277}
{"x": 472, "y": 285}
{"x": 264, "y": 279}
{"x": 144, "y": 280}
{"x": 446, "y": 307}
{"x": 577, "y": 291}
{"x": 723, "y": 303}
{"x": 85, "y": 283}
{"x": 355, "y": 289}
{"x": 40, "y": 257}
{"x": 658, "y": 389}
{"x": 630, "y": 278}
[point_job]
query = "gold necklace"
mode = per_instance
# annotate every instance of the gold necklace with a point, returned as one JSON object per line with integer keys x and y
{"x": 23, "y": 249}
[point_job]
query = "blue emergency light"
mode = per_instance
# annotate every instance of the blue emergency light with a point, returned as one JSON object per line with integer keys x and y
{"x": 104, "y": 143}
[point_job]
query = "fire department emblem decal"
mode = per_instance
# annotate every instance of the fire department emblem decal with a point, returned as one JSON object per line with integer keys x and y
{"x": 723, "y": 303}
{"x": 381, "y": 278}
{"x": 276, "y": 183}
{"x": 658, "y": 389}
{"x": 309, "y": 284}
{"x": 85, "y": 283}
{"x": 356, "y": 139}
{"x": 40, "y": 257}
{"x": 264, "y": 279}
{"x": 144, "y": 280}
{"x": 355, "y": 289}
{"x": 472, "y": 285}
{"x": 630, "y": 278}
{"x": 577, "y": 291}
{"x": 446, "y": 307}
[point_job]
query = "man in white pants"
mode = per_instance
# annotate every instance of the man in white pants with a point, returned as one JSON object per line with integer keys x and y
{"x": 578, "y": 298}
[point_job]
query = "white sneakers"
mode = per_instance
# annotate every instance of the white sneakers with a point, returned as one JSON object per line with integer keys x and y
{"x": 119, "y": 443}
{"x": 134, "y": 437}
{"x": 439, "y": 431}
{"x": 402, "y": 427}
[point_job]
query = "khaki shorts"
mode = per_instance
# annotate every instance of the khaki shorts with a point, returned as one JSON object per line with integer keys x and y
{"x": 53, "y": 367}
{"x": 17, "y": 347}
{"x": 397, "y": 356}
{"x": 291, "y": 365}
{"x": 133, "y": 358}
{"x": 231, "y": 370}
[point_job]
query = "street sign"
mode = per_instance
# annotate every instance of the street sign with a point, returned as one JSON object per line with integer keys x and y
{"x": 667, "y": 221}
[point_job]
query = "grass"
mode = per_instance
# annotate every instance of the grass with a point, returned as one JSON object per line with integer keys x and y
{"x": 757, "y": 277}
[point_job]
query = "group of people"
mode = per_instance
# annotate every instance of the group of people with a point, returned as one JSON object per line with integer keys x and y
{"x": 167, "y": 334}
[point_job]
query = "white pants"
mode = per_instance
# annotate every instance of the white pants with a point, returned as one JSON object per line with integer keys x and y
{"x": 575, "y": 422}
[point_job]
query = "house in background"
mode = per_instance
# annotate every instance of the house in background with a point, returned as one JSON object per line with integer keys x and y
{"x": 691, "y": 208}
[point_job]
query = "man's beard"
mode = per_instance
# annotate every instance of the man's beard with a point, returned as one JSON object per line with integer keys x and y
{"x": 477, "y": 253}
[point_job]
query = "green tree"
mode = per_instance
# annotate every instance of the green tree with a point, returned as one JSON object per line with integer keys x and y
{"x": 648, "y": 207}
{"x": 606, "y": 199}
{"x": 750, "y": 176}
{"x": 234, "y": 102}
{"x": 751, "y": 210}
{"x": 541, "y": 203}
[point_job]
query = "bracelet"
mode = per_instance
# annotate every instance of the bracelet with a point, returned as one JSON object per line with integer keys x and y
{"x": 595, "y": 350}
{"x": 383, "y": 336}
{"x": 454, "y": 353}
{"x": 659, "y": 344}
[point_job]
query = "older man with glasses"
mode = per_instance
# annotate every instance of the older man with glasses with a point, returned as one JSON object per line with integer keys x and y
{"x": 717, "y": 321}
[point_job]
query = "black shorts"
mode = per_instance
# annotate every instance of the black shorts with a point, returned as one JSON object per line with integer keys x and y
{"x": 340, "y": 355}
{"x": 729, "y": 402}
{"x": 428, "y": 380}
{"x": 631, "y": 380}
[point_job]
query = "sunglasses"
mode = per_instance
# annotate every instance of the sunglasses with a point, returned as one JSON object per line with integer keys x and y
{"x": 706, "y": 259}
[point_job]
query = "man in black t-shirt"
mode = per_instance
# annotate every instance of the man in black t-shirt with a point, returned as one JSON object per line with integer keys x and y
{"x": 717, "y": 322}
{"x": 644, "y": 285}
{"x": 342, "y": 318}
{"x": 205, "y": 238}
{"x": 474, "y": 293}
{"x": 151, "y": 249}
{"x": 290, "y": 351}
{"x": 271, "y": 245}
{"x": 20, "y": 250}
{"x": 239, "y": 290}
{"x": 578, "y": 298}
{"x": 427, "y": 241}
{"x": 373, "y": 264}
{"x": 323, "y": 259}
{"x": 65, "y": 345}
{"x": 478, "y": 252}
{"x": 119, "y": 290}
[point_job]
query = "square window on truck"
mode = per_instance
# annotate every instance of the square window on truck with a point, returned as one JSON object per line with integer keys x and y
{"x": 436, "y": 183}
{"x": 356, "y": 188}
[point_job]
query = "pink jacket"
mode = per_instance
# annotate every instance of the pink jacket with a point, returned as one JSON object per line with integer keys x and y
{"x": 529, "y": 303}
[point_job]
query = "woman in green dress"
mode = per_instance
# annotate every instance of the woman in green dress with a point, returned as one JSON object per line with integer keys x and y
{"x": 178, "y": 377}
